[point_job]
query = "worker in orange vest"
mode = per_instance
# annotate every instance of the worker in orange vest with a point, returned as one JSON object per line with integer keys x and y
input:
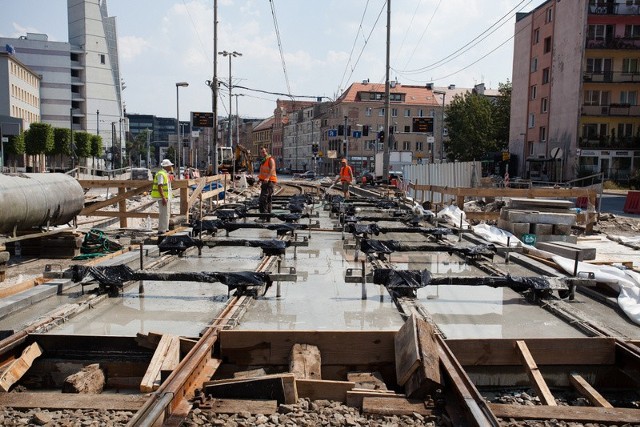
{"x": 267, "y": 177}
{"x": 345, "y": 177}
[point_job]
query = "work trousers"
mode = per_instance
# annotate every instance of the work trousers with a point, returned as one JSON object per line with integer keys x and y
{"x": 266, "y": 195}
{"x": 164, "y": 211}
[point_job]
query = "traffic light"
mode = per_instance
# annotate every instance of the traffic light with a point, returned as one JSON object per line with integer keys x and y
{"x": 365, "y": 130}
{"x": 506, "y": 155}
{"x": 340, "y": 129}
{"x": 314, "y": 148}
{"x": 381, "y": 136}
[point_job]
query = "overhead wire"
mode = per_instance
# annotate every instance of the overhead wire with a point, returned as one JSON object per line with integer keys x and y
{"x": 275, "y": 24}
{"x": 415, "y": 47}
{"x": 353, "y": 46}
{"x": 469, "y": 45}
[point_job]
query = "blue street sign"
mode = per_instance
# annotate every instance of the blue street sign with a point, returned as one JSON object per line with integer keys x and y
{"x": 357, "y": 133}
{"x": 332, "y": 133}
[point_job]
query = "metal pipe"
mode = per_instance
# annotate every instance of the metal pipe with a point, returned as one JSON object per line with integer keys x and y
{"x": 38, "y": 200}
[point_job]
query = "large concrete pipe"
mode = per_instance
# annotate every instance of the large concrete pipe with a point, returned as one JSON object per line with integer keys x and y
{"x": 38, "y": 199}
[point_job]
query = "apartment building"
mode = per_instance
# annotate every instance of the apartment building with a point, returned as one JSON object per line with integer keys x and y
{"x": 574, "y": 104}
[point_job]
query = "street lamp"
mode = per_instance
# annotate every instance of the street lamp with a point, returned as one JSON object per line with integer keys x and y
{"x": 178, "y": 86}
{"x": 237, "y": 130}
{"x": 230, "y": 55}
{"x": 444, "y": 94}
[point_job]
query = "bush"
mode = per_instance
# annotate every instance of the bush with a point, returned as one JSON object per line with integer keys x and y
{"x": 611, "y": 185}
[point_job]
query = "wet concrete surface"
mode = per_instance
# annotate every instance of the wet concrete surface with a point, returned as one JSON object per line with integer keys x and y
{"x": 320, "y": 299}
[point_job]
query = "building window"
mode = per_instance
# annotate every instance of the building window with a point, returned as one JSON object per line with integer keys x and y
{"x": 407, "y": 129}
{"x": 407, "y": 112}
{"x": 534, "y": 92}
{"x": 534, "y": 64}
{"x": 630, "y": 65}
{"x": 599, "y": 32}
{"x": 543, "y": 134}
{"x": 598, "y": 65}
{"x": 545, "y": 75}
{"x": 544, "y": 105}
{"x": 103, "y": 59}
{"x": 629, "y": 97}
{"x": 536, "y": 36}
{"x": 406, "y": 146}
{"x": 381, "y": 112}
{"x": 632, "y": 31}
{"x": 547, "y": 45}
{"x": 595, "y": 97}
{"x": 394, "y": 112}
{"x": 625, "y": 130}
{"x": 367, "y": 111}
{"x": 420, "y": 112}
{"x": 532, "y": 120}
{"x": 418, "y": 146}
{"x": 549, "y": 16}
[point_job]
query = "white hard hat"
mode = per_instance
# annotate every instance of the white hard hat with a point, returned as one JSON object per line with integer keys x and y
{"x": 166, "y": 162}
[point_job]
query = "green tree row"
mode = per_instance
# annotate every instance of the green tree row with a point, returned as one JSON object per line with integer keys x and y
{"x": 42, "y": 138}
{"x": 478, "y": 125}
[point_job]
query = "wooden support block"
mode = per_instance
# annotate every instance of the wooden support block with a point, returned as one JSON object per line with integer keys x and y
{"x": 89, "y": 380}
{"x": 542, "y": 229}
{"x": 305, "y": 362}
{"x": 583, "y": 414}
{"x": 323, "y": 389}
{"x": 407, "y": 350}
{"x": 55, "y": 401}
{"x": 355, "y": 397}
{"x": 253, "y": 373}
{"x": 167, "y": 348}
{"x": 535, "y": 375}
{"x": 17, "y": 368}
{"x": 394, "y": 406}
{"x": 280, "y": 387}
{"x": 235, "y": 406}
{"x": 426, "y": 379}
{"x": 367, "y": 380}
{"x": 586, "y": 390}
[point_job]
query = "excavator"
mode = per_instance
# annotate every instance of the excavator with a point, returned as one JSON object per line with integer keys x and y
{"x": 242, "y": 159}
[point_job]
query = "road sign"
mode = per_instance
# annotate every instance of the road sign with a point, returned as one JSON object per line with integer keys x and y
{"x": 5, "y": 139}
{"x": 201, "y": 120}
{"x": 423, "y": 124}
{"x": 357, "y": 134}
{"x": 332, "y": 133}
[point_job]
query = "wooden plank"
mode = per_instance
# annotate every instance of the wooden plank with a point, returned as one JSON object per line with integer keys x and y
{"x": 122, "y": 195}
{"x": 323, "y": 389}
{"x": 279, "y": 387}
{"x": 116, "y": 214}
{"x": 567, "y": 413}
{"x": 546, "y": 351}
{"x": 305, "y": 362}
{"x": 235, "y": 406}
{"x": 51, "y": 400}
{"x": 429, "y": 360}
{"x": 264, "y": 348}
{"x": 538, "y": 382}
{"x": 253, "y": 373}
{"x": 151, "y": 379}
{"x": 172, "y": 357}
{"x": 355, "y": 397}
{"x": 367, "y": 380}
{"x": 407, "y": 350}
{"x": 586, "y": 390}
{"x": 394, "y": 406}
{"x": 16, "y": 369}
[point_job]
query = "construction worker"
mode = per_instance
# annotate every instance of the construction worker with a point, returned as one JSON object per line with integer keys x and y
{"x": 268, "y": 179}
{"x": 161, "y": 190}
{"x": 345, "y": 177}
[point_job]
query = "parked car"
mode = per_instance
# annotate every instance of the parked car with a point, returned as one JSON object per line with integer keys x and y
{"x": 305, "y": 175}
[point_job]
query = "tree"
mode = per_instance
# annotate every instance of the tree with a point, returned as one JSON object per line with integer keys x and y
{"x": 502, "y": 115}
{"x": 82, "y": 141}
{"x": 96, "y": 148}
{"x": 39, "y": 140}
{"x": 471, "y": 127}
{"x": 61, "y": 143}
{"x": 15, "y": 147}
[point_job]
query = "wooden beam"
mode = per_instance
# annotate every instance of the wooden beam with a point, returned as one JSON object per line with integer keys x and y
{"x": 407, "y": 350}
{"x": 305, "y": 362}
{"x": 235, "y": 406}
{"x": 538, "y": 382}
{"x": 122, "y": 195}
{"x": 584, "y": 414}
{"x": 17, "y": 368}
{"x": 116, "y": 214}
{"x": 355, "y": 396}
{"x": 49, "y": 400}
{"x": 324, "y": 389}
{"x": 166, "y": 347}
{"x": 394, "y": 406}
{"x": 280, "y": 387}
{"x": 586, "y": 390}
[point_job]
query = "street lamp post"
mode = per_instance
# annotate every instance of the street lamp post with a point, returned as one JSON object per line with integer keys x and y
{"x": 444, "y": 94}
{"x": 346, "y": 139}
{"x": 229, "y": 136}
{"x": 179, "y": 138}
{"x": 237, "y": 130}
{"x": 73, "y": 150}
{"x": 97, "y": 122}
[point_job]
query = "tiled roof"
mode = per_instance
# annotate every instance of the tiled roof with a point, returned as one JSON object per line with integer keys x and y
{"x": 265, "y": 124}
{"x": 414, "y": 95}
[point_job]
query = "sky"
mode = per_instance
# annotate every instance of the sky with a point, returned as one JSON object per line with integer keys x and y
{"x": 303, "y": 48}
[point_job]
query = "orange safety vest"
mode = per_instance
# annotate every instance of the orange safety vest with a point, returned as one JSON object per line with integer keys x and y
{"x": 346, "y": 174}
{"x": 267, "y": 172}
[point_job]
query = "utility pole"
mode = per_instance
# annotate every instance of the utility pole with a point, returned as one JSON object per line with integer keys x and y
{"x": 214, "y": 89}
{"x": 387, "y": 101}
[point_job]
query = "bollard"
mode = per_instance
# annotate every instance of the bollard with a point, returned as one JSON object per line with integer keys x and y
{"x": 278, "y": 281}
{"x": 364, "y": 281}
{"x": 575, "y": 265}
{"x": 506, "y": 256}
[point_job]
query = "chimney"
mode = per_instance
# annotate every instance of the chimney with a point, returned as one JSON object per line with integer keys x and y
{"x": 452, "y": 87}
{"x": 429, "y": 86}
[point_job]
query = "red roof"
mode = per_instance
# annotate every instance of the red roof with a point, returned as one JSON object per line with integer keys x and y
{"x": 413, "y": 95}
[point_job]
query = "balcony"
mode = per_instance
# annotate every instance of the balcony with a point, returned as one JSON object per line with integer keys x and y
{"x": 608, "y": 143}
{"x": 617, "y": 110}
{"x": 610, "y": 8}
{"x": 613, "y": 43}
{"x": 611, "y": 77}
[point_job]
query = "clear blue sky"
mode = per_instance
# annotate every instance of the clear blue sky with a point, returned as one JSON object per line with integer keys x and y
{"x": 327, "y": 44}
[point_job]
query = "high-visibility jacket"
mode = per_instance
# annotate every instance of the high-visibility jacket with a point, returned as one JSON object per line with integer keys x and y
{"x": 268, "y": 170}
{"x": 346, "y": 174}
{"x": 155, "y": 193}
